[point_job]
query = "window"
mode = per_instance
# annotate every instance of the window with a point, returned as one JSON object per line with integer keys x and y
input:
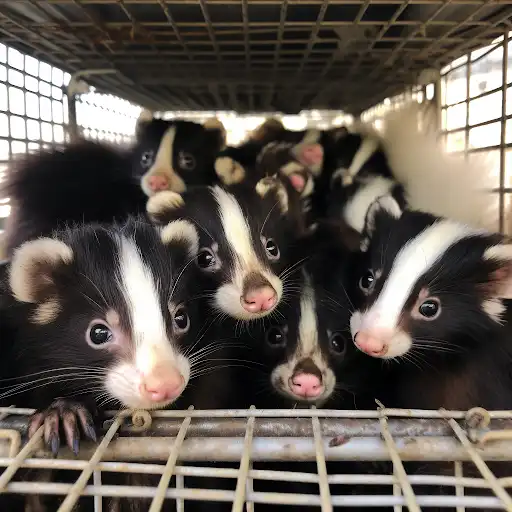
{"x": 476, "y": 105}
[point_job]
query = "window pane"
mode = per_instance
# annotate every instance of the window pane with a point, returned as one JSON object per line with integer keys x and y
{"x": 58, "y": 133}
{"x": 456, "y": 117}
{"x": 3, "y": 53}
{"x": 456, "y": 86}
{"x": 33, "y": 130}
{"x": 18, "y": 147}
{"x": 57, "y": 93}
{"x": 4, "y": 125}
{"x": 31, "y": 83}
{"x": 3, "y": 97}
{"x": 45, "y": 106}
{"x": 47, "y": 132}
{"x": 486, "y": 73}
{"x": 32, "y": 146}
{"x": 31, "y": 65}
{"x": 15, "y": 78}
{"x": 456, "y": 141}
{"x": 486, "y": 108}
{"x": 4, "y": 150}
{"x": 45, "y": 88}
{"x": 15, "y": 59}
{"x": 18, "y": 127}
{"x": 58, "y": 115}
{"x": 32, "y": 104}
{"x": 57, "y": 77}
{"x": 3, "y": 73}
{"x": 45, "y": 72}
{"x": 16, "y": 101}
{"x": 484, "y": 136}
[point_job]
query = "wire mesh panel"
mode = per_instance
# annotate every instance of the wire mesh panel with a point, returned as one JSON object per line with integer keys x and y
{"x": 458, "y": 452}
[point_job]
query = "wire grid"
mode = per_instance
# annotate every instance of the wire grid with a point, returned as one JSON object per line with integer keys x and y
{"x": 477, "y": 111}
{"x": 253, "y": 55}
{"x": 153, "y": 444}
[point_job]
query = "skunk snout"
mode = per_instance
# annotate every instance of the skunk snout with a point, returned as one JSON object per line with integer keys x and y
{"x": 157, "y": 183}
{"x": 306, "y": 380}
{"x": 162, "y": 384}
{"x": 258, "y": 294}
{"x": 373, "y": 342}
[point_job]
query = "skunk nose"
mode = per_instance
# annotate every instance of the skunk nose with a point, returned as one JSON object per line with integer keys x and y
{"x": 258, "y": 295}
{"x": 312, "y": 154}
{"x": 372, "y": 343}
{"x": 259, "y": 299}
{"x": 164, "y": 383}
{"x": 157, "y": 183}
{"x": 298, "y": 181}
{"x": 306, "y": 385}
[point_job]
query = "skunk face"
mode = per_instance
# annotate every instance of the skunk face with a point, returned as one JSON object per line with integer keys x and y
{"x": 113, "y": 307}
{"x": 433, "y": 287}
{"x": 243, "y": 244}
{"x": 173, "y": 155}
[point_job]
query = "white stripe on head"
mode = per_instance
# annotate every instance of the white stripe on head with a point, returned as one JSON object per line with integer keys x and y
{"x": 308, "y": 327}
{"x": 235, "y": 226}
{"x": 415, "y": 259}
{"x": 311, "y": 136}
{"x": 163, "y": 157}
{"x": 149, "y": 333}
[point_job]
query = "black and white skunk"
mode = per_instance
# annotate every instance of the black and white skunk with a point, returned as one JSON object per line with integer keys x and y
{"x": 436, "y": 298}
{"x": 244, "y": 238}
{"x": 407, "y": 161}
{"x": 105, "y": 318}
{"x": 175, "y": 154}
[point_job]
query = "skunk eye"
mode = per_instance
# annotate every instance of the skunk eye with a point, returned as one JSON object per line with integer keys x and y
{"x": 146, "y": 160}
{"x": 367, "y": 282}
{"x": 98, "y": 334}
{"x": 205, "y": 258}
{"x": 181, "y": 320}
{"x": 337, "y": 344}
{"x": 275, "y": 337}
{"x": 186, "y": 161}
{"x": 271, "y": 248}
{"x": 430, "y": 309}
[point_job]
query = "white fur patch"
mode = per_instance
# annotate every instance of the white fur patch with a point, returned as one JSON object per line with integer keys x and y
{"x": 356, "y": 210}
{"x": 501, "y": 253}
{"x": 163, "y": 202}
{"x": 152, "y": 347}
{"x": 494, "y": 309}
{"x": 47, "y": 312}
{"x": 265, "y": 185}
{"x": 25, "y": 271}
{"x": 182, "y": 231}
{"x": 416, "y": 258}
{"x": 228, "y": 170}
{"x": 245, "y": 260}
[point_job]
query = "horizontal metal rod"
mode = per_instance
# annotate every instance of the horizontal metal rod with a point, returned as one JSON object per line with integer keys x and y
{"x": 256, "y": 497}
{"x": 287, "y": 449}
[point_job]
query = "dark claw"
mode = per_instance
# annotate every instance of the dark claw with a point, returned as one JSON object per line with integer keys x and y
{"x": 63, "y": 417}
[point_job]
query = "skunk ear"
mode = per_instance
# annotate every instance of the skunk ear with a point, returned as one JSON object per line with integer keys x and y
{"x": 229, "y": 170}
{"x": 33, "y": 272}
{"x": 383, "y": 208}
{"x": 145, "y": 117}
{"x": 215, "y": 126}
{"x": 500, "y": 278}
{"x": 181, "y": 232}
{"x": 164, "y": 206}
{"x": 273, "y": 185}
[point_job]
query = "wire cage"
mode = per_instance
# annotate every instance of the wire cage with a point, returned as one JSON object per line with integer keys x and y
{"x": 165, "y": 443}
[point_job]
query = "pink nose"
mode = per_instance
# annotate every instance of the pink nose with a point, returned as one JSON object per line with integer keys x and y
{"x": 306, "y": 385}
{"x": 370, "y": 343}
{"x": 157, "y": 183}
{"x": 312, "y": 154}
{"x": 298, "y": 182}
{"x": 259, "y": 299}
{"x": 162, "y": 384}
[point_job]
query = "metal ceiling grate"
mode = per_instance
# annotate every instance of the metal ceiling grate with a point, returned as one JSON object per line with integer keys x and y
{"x": 165, "y": 444}
{"x": 253, "y": 54}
